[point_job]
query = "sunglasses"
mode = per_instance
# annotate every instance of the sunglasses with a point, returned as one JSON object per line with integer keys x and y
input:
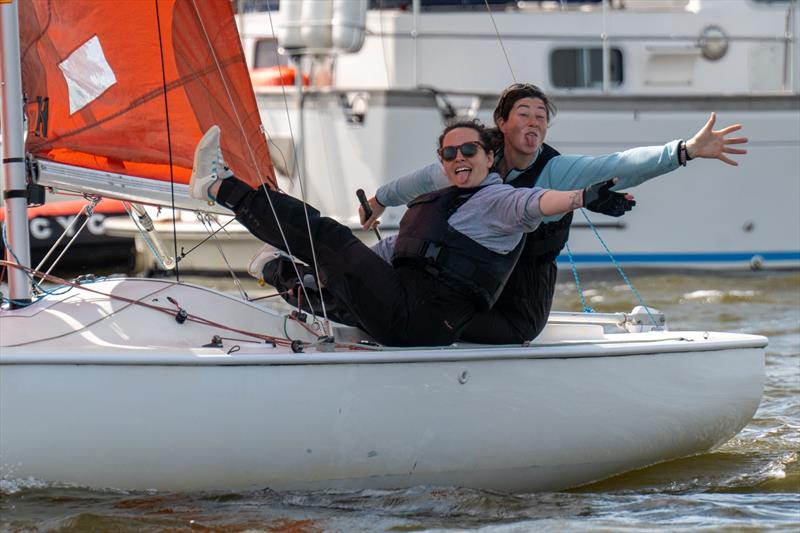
{"x": 520, "y": 86}
{"x": 448, "y": 153}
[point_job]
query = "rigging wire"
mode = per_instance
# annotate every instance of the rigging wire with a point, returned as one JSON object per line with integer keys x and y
{"x": 327, "y": 326}
{"x": 231, "y": 102}
{"x": 169, "y": 146}
{"x": 586, "y": 307}
{"x": 88, "y": 210}
{"x": 500, "y": 39}
{"x": 67, "y": 230}
{"x": 619, "y": 267}
{"x": 140, "y": 301}
{"x": 383, "y": 44}
{"x": 206, "y": 220}
{"x": 235, "y": 111}
{"x": 211, "y": 235}
{"x": 7, "y": 245}
{"x": 250, "y": 149}
{"x": 65, "y": 286}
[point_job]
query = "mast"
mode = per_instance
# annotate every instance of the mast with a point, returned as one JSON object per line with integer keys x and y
{"x": 14, "y": 185}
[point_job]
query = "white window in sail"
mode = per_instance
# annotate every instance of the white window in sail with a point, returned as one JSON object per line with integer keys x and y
{"x": 87, "y": 73}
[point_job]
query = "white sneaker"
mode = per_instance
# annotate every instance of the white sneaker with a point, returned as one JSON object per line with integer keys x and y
{"x": 209, "y": 166}
{"x": 266, "y": 254}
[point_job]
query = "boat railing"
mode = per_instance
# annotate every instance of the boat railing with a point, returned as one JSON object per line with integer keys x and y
{"x": 640, "y": 319}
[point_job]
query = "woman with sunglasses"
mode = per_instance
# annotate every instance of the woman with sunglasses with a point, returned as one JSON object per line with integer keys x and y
{"x": 522, "y": 116}
{"x": 451, "y": 257}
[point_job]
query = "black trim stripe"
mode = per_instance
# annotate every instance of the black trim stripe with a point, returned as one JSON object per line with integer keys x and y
{"x": 16, "y": 193}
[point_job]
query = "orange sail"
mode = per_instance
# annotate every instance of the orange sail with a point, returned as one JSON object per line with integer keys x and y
{"x": 130, "y": 87}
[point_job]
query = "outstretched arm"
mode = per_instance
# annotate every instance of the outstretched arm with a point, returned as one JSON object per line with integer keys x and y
{"x": 403, "y": 190}
{"x": 559, "y": 202}
{"x": 715, "y": 144}
{"x": 597, "y": 197}
{"x": 637, "y": 165}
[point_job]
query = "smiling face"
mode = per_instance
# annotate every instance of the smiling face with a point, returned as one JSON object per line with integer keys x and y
{"x": 524, "y": 130}
{"x": 464, "y": 171}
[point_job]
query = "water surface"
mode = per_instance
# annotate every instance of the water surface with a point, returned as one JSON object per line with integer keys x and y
{"x": 752, "y": 483}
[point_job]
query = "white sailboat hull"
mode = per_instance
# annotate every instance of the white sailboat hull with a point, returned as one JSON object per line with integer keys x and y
{"x": 579, "y": 406}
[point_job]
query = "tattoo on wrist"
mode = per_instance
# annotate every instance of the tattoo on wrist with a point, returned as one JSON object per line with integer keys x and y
{"x": 576, "y": 199}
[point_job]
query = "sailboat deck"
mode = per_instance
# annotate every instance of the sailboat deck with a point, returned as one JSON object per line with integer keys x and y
{"x": 94, "y": 324}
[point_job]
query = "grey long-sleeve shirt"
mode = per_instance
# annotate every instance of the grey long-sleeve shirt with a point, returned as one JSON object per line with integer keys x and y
{"x": 495, "y": 217}
{"x": 562, "y": 173}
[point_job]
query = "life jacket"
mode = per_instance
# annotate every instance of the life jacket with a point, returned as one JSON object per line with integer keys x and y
{"x": 546, "y": 241}
{"x": 427, "y": 241}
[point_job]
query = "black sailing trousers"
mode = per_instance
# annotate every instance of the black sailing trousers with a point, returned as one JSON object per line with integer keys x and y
{"x": 519, "y": 315}
{"x": 396, "y": 306}
{"x": 523, "y": 308}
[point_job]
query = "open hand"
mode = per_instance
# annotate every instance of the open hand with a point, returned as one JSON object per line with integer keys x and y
{"x": 601, "y": 199}
{"x": 714, "y": 144}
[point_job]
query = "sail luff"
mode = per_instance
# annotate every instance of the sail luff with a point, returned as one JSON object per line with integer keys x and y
{"x": 229, "y": 94}
{"x": 14, "y": 185}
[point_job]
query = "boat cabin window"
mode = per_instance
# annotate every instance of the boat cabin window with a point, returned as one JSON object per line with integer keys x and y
{"x": 576, "y": 68}
{"x": 266, "y": 54}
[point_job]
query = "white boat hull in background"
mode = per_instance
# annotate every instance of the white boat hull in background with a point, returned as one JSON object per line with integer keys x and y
{"x": 384, "y": 109}
{"x": 578, "y": 405}
{"x": 229, "y": 250}
{"x": 706, "y": 215}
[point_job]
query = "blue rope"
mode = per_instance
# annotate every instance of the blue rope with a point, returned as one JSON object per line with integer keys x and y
{"x": 43, "y": 292}
{"x": 11, "y": 251}
{"x": 64, "y": 289}
{"x": 617, "y": 266}
{"x": 586, "y": 308}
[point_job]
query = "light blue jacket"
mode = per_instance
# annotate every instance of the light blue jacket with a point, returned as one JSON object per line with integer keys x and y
{"x": 563, "y": 173}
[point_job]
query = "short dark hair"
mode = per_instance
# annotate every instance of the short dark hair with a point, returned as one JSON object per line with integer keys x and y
{"x": 518, "y": 91}
{"x": 484, "y": 134}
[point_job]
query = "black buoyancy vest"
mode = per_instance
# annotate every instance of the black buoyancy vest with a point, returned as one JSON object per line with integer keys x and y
{"x": 546, "y": 241}
{"x": 427, "y": 241}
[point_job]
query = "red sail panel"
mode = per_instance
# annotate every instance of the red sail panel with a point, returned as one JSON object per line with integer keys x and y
{"x": 95, "y": 73}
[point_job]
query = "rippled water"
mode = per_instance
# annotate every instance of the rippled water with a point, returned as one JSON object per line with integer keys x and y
{"x": 752, "y": 483}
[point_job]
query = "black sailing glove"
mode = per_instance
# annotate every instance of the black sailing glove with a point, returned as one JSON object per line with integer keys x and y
{"x": 601, "y": 199}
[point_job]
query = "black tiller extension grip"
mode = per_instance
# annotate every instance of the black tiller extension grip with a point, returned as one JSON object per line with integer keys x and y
{"x": 362, "y": 198}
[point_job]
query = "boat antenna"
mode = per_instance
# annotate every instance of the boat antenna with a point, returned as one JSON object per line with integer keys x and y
{"x": 169, "y": 148}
